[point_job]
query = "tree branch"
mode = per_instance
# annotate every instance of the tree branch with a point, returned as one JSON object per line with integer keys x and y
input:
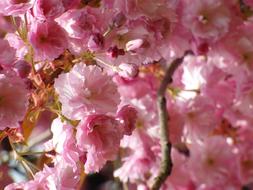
{"x": 166, "y": 162}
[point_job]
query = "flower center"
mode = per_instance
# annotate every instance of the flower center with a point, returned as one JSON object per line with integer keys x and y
{"x": 87, "y": 93}
{"x": 42, "y": 39}
{"x": 210, "y": 161}
{"x": 203, "y": 19}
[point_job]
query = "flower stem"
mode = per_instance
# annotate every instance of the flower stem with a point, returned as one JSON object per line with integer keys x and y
{"x": 29, "y": 167}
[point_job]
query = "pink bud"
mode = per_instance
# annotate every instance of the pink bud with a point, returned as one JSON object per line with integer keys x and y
{"x": 134, "y": 44}
{"x": 128, "y": 115}
{"x": 128, "y": 70}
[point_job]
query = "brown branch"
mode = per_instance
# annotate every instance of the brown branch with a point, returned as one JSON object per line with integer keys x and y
{"x": 166, "y": 162}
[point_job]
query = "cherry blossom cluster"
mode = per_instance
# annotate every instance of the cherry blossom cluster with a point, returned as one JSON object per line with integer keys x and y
{"x": 78, "y": 90}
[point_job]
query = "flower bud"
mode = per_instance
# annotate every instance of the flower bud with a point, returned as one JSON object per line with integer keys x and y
{"x": 134, "y": 44}
{"x": 128, "y": 70}
{"x": 128, "y": 116}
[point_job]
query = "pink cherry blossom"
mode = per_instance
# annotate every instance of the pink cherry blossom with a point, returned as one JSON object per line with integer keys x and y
{"x": 82, "y": 76}
{"x": 128, "y": 116}
{"x": 137, "y": 87}
{"x": 15, "y": 7}
{"x": 221, "y": 83}
{"x": 192, "y": 77}
{"x": 11, "y": 110}
{"x": 134, "y": 167}
{"x": 237, "y": 47}
{"x": 64, "y": 143}
{"x": 48, "y": 40}
{"x": 99, "y": 136}
{"x": 206, "y": 19}
{"x": 145, "y": 107}
{"x": 80, "y": 23}
{"x": 47, "y": 9}
{"x": 200, "y": 118}
{"x": 79, "y": 93}
{"x": 59, "y": 177}
{"x": 7, "y": 55}
{"x": 18, "y": 44}
{"x": 138, "y": 164}
{"x": 212, "y": 160}
{"x": 180, "y": 178}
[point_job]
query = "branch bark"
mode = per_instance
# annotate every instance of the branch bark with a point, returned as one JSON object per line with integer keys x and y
{"x": 166, "y": 162}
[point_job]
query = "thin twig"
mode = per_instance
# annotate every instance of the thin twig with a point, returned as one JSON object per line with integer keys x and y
{"x": 166, "y": 162}
{"x": 27, "y": 153}
{"x": 27, "y": 165}
{"x": 16, "y": 27}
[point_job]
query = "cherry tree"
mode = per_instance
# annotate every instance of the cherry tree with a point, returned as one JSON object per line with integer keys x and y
{"x": 160, "y": 91}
